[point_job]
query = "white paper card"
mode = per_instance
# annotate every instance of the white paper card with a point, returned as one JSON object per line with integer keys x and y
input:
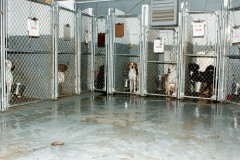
{"x": 236, "y": 35}
{"x": 67, "y": 32}
{"x": 198, "y": 29}
{"x": 33, "y": 27}
{"x": 159, "y": 45}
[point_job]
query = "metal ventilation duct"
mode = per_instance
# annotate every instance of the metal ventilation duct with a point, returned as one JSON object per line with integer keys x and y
{"x": 164, "y": 12}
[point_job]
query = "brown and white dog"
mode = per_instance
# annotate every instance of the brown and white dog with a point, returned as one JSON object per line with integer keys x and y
{"x": 61, "y": 75}
{"x": 133, "y": 76}
{"x": 9, "y": 78}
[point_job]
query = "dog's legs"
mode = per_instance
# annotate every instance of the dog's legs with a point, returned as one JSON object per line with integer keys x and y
{"x": 131, "y": 85}
{"x": 134, "y": 85}
{"x": 8, "y": 93}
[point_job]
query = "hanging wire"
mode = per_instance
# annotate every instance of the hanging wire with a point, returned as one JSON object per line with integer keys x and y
{"x": 134, "y": 6}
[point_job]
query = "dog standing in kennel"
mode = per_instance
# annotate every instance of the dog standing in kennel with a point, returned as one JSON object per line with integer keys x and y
{"x": 133, "y": 77}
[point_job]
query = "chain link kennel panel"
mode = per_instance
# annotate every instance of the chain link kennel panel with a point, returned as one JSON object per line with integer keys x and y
{"x": 29, "y": 49}
{"x": 232, "y": 84}
{"x": 162, "y": 61}
{"x": 127, "y": 54}
{"x": 200, "y": 55}
{"x": 100, "y": 58}
{"x": 86, "y": 53}
{"x": 66, "y": 52}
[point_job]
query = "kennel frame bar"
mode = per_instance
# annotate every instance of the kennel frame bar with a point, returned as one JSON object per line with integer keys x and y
{"x": 55, "y": 23}
{"x": 78, "y": 52}
{"x": 3, "y": 40}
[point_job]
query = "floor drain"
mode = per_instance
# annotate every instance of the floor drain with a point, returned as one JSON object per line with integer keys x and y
{"x": 57, "y": 143}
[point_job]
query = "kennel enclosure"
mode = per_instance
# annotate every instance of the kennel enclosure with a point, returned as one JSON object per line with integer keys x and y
{"x": 199, "y": 57}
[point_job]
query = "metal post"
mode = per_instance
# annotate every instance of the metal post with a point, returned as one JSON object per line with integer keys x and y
{"x": 4, "y": 98}
{"x": 55, "y": 25}
{"x": 92, "y": 50}
{"x": 181, "y": 36}
{"x": 78, "y": 53}
{"x": 226, "y": 42}
{"x": 111, "y": 51}
{"x": 94, "y": 40}
{"x": 218, "y": 62}
{"x": 143, "y": 53}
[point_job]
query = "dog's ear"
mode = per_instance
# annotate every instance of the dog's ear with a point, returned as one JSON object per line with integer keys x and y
{"x": 135, "y": 65}
{"x": 65, "y": 67}
{"x": 128, "y": 65}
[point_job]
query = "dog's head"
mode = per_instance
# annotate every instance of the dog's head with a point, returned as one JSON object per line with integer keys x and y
{"x": 62, "y": 67}
{"x": 9, "y": 65}
{"x": 210, "y": 69}
{"x": 132, "y": 65}
{"x": 193, "y": 67}
{"x": 171, "y": 68}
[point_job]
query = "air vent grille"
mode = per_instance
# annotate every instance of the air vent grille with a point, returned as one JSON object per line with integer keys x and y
{"x": 164, "y": 12}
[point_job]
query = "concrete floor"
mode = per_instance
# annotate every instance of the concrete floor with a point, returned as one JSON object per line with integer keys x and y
{"x": 120, "y": 128}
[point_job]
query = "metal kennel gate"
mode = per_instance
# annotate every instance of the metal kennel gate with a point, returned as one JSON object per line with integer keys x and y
{"x": 29, "y": 52}
{"x": 100, "y": 53}
{"x": 232, "y": 56}
{"x": 161, "y": 65}
{"x": 87, "y": 48}
{"x": 67, "y": 51}
{"x": 126, "y": 38}
{"x": 200, "y": 58}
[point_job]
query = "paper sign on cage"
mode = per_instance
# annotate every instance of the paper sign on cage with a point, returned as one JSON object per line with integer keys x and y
{"x": 198, "y": 29}
{"x": 67, "y": 32}
{"x": 235, "y": 35}
{"x": 158, "y": 45}
{"x": 33, "y": 28}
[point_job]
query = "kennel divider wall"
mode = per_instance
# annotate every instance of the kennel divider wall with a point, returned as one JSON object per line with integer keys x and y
{"x": 232, "y": 56}
{"x": 202, "y": 49}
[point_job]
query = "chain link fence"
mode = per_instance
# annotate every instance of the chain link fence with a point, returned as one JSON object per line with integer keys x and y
{"x": 66, "y": 52}
{"x": 232, "y": 65}
{"x": 162, "y": 65}
{"x": 100, "y": 54}
{"x": 29, "y": 77}
{"x": 200, "y": 55}
{"x": 86, "y": 53}
{"x": 126, "y": 55}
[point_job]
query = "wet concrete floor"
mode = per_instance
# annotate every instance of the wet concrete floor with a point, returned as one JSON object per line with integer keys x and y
{"x": 120, "y": 128}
